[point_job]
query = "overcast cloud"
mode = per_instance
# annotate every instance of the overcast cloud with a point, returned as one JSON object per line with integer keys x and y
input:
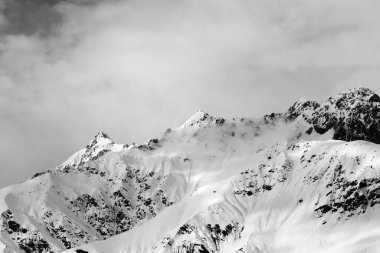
{"x": 69, "y": 69}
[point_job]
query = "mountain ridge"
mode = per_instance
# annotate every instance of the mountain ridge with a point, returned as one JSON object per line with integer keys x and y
{"x": 210, "y": 185}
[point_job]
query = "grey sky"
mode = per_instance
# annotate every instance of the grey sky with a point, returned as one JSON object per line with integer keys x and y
{"x": 69, "y": 69}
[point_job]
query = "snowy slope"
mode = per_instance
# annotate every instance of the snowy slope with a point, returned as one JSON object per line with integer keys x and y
{"x": 288, "y": 182}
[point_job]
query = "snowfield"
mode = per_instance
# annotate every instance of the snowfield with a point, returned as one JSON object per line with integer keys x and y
{"x": 307, "y": 180}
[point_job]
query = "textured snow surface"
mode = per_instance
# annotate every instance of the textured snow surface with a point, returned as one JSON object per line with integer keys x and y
{"x": 276, "y": 184}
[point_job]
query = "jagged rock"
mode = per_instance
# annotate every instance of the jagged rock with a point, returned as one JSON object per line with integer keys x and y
{"x": 354, "y": 115}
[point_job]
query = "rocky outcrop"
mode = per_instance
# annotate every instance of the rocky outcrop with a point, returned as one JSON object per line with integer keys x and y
{"x": 352, "y": 115}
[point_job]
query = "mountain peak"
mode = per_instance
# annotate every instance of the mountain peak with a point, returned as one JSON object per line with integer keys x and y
{"x": 353, "y": 114}
{"x": 355, "y": 94}
{"x": 197, "y": 117}
{"x": 101, "y": 135}
{"x": 100, "y": 139}
{"x": 352, "y": 98}
{"x": 359, "y": 90}
{"x": 200, "y": 113}
{"x": 202, "y": 119}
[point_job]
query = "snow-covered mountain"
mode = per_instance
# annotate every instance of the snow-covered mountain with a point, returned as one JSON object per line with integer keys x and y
{"x": 306, "y": 180}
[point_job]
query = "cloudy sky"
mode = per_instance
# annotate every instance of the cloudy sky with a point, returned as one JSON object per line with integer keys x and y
{"x": 132, "y": 68}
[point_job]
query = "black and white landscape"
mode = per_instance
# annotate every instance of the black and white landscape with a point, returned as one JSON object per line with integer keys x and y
{"x": 304, "y": 180}
{"x": 189, "y": 126}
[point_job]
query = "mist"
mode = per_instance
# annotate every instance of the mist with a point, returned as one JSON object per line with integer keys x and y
{"x": 69, "y": 69}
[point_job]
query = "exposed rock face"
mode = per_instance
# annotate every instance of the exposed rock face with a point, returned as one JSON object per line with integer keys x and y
{"x": 27, "y": 240}
{"x": 353, "y": 115}
{"x": 303, "y": 108}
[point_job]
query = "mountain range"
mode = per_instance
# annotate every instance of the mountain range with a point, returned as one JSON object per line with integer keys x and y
{"x": 304, "y": 180}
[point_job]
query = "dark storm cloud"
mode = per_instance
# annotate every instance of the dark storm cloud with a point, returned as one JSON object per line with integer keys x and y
{"x": 30, "y": 17}
{"x": 134, "y": 68}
